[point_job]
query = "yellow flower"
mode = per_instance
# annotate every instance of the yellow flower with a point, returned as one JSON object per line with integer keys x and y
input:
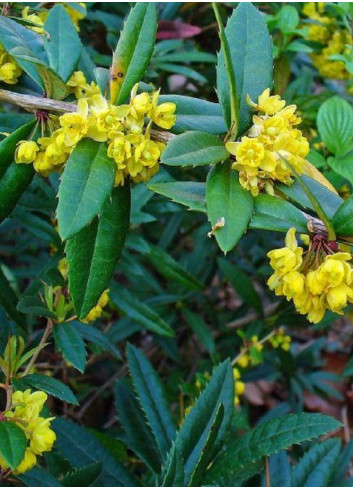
{"x": 164, "y": 115}
{"x": 120, "y": 150}
{"x": 97, "y": 311}
{"x": 28, "y": 462}
{"x": 26, "y": 151}
{"x": 75, "y": 124}
{"x": 269, "y": 104}
{"x": 35, "y": 21}
{"x": 147, "y": 153}
{"x": 42, "y": 437}
{"x": 289, "y": 258}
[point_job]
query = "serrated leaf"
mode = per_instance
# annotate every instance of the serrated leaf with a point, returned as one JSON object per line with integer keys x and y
{"x": 335, "y": 125}
{"x": 195, "y": 430}
{"x": 190, "y": 194}
{"x": 92, "y": 254}
{"x": 329, "y": 201}
{"x": 13, "y": 443}
{"x": 227, "y": 200}
{"x": 204, "y": 459}
{"x": 194, "y": 114}
{"x": 280, "y": 470}
{"x": 173, "y": 471}
{"x": 8, "y": 145}
{"x": 87, "y": 180}
{"x": 171, "y": 270}
{"x": 140, "y": 312}
{"x": 275, "y": 214}
{"x": 134, "y": 50}
{"x": 318, "y": 464}
{"x": 70, "y": 343}
{"x": 81, "y": 448}
{"x": 50, "y": 385}
{"x": 266, "y": 439}
{"x": 84, "y": 476}
{"x": 137, "y": 435}
{"x": 63, "y": 45}
{"x": 37, "y": 477}
{"x": 251, "y": 52}
{"x": 33, "y": 305}
{"x": 194, "y": 148}
{"x": 151, "y": 397}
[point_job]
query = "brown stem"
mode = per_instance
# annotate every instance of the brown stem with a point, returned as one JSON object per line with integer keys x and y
{"x": 46, "y": 334}
{"x": 267, "y": 468}
{"x": 32, "y": 103}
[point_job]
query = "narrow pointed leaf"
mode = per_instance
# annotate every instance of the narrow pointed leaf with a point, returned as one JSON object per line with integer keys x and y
{"x": 13, "y": 443}
{"x": 70, "y": 343}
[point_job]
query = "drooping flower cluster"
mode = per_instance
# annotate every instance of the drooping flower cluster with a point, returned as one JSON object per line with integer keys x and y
{"x": 239, "y": 386}
{"x": 335, "y": 40}
{"x": 272, "y": 141}
{"x": 25, "y": 412}
{"x": 35, "y": 20}
{"x": 9, "y": 69}
{"x": 122, "y": 127}
{"x": 322, "y": 280}
{"x": 280, "y": 340}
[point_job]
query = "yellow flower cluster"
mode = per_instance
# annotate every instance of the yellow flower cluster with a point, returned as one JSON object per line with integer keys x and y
{"x": 249, "y": 355}
{"x": 36, "y": 19}
{"x": 273, "y": 138}
{"x": 280, "y": 340}
{"x": 9, "y": 69}
{"x": 97, "y": 311}
{"x": 334, "y": 39}
{"x": 322, "y": 281}
{"x": 239, "y": 386}
{"x": 122, "y": 127}
{"x": 25, "y": 412}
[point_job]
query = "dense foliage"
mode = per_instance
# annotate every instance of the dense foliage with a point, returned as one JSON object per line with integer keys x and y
{"x": 176, "y": 280}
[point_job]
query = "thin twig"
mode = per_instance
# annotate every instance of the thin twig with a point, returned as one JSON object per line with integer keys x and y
{"x": 42, "y": 343}
{"x": 268, "y": 478}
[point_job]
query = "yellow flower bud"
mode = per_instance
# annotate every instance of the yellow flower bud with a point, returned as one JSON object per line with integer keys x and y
{"x": 26, "y": 152}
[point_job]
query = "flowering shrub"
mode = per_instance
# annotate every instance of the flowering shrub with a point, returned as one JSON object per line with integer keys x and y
{"x": 154, "y": 328}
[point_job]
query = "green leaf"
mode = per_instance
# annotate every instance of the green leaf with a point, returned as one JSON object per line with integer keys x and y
{"x": 194, "y": 114}
{"x": 87, "y": 180}
{"x": 97, "y": 337}
{"x": 201, "y": 329}
{"x": 37, "y": 477}
{"x": 335, "y": 125}
{"x": 63, "y": 45}
{"x": 318, "y": 464}
{"x": 226, "y": 199}
{"x": 92, "y": 254}
{"x": 50, "y": 385}
{"x": 173, "y": 471}
{"x": 134, "y": 49}
{"x": 343, "y": 165}
{"x": 137, "y": 435}
{"x": 54, "y": 86}
{"x": 251, "y": 52}
{"x": 140, "y": 312}
{"x": 329, "y": 201}
{"x": 287, "y": 19}
{"x": 190, "y": 194}
{"x": 8, "y": 145}
{"x": 343, "y": 218}
{"x": 81, "y": 448}
{"x": 70, "y": 343}
{"x": 84, "y": 477}
{"x": 241, "y": 283}
{"x": 14, "y": 35}
{"x": 9, "y": 300}
{"x": 194, "y": 148}
{"x": 13, "y": 443}
{"x": 33, "y": 305}
{"x": 12, "y": 185}
{"x": 280, "y": 470}
{"x": 171, "y": 270}
{"x": 196, "y": 428}
{"x": 151, "y": 397}
{"x": 266, "y": 439}
{"x": 275, "y": 214}
{"x": 204, "y": 459}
